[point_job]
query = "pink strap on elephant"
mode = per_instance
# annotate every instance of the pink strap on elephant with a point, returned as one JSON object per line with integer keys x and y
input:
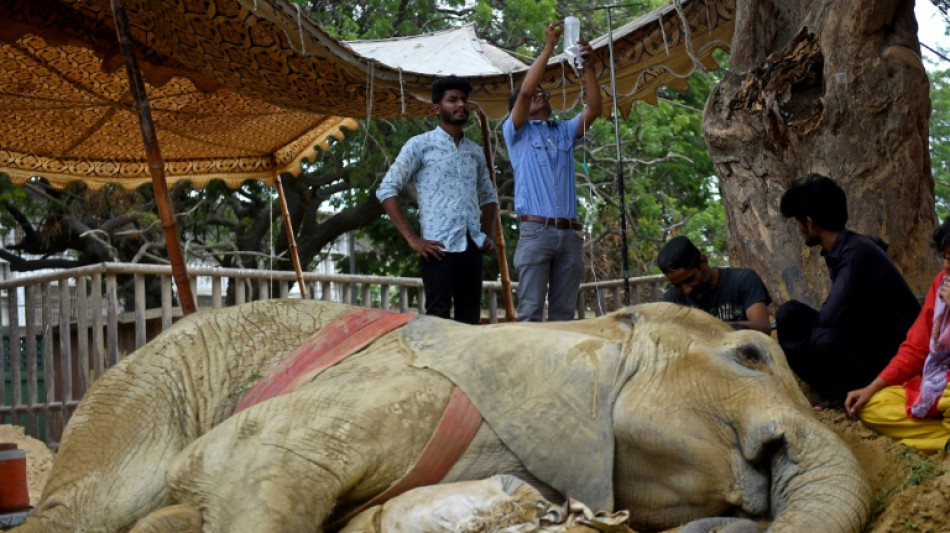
{"x": 347, "y": 334}
{"x": 455, "y": 432}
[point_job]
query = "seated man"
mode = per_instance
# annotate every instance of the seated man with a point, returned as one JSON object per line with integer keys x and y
{"x": 908, "y": 400}
{"x": 869, "y": 306}
{"x": 734, "y": 295}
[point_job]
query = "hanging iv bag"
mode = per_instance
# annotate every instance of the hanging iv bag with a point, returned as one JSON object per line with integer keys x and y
{"x": 572, "y": 34}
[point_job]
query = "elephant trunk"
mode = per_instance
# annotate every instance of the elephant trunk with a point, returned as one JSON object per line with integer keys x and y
{"x": 817, "y": 484}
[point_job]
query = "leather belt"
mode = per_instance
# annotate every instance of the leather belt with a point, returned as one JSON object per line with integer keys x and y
{"x": 559, "y": 223}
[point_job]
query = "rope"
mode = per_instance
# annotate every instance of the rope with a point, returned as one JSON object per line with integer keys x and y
{"x": 588, "y": 215}
{"x": 678, "y": 5}
{"x": 371, "y": 73}
{"x": 402, "y": 93}
{"x": 708, "y": 19}
{"x": 563, "y": 85}
{"x": 666, "y": 44}
{"x": 303, "y": 45}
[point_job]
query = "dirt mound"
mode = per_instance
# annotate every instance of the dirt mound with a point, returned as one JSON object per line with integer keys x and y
{"x": 39, "y": 459}
{"x": 911, "y": 488}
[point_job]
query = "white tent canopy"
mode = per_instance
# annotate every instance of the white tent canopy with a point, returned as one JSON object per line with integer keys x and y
{"x": 458, "y": 51}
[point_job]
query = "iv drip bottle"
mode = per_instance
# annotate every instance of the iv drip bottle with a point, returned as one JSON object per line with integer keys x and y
{"x": 572, "y": 34}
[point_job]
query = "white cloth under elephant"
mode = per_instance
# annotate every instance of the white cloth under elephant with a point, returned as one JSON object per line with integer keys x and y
{"x": 500, "y": 504}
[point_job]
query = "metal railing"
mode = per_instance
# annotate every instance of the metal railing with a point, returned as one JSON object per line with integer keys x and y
{"x": 62, "y": 330}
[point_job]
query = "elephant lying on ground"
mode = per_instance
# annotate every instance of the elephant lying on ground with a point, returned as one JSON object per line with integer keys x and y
{"x": 659, "y": 409}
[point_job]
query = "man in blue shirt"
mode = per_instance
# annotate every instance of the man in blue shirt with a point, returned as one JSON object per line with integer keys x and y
{"x": 549, "y": 258}
{"x": 457, "y": 205}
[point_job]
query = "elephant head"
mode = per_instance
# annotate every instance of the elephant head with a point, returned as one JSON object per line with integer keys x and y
{"x": 660, "y": 409}
{"x": 713, "y": 423}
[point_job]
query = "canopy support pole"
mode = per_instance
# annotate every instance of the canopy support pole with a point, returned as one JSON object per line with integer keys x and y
{"x": 499, "y": 234}
{"x": 291, "y": 240}
{"x": 156, "y": 165}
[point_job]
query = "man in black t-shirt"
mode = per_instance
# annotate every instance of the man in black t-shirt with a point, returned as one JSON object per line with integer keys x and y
{"x": 734, "y": 295}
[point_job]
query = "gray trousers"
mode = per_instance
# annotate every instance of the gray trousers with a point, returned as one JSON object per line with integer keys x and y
{"x": 550, "y": 265}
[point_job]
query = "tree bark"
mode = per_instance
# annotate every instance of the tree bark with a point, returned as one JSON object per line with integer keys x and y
{"x": 834, "y": 87}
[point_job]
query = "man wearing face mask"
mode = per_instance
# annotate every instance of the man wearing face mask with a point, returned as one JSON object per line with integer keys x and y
{"x": 549, "y": 258}
{"x": 736, "y": 296}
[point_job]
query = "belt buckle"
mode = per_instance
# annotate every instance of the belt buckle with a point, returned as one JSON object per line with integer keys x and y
{"x": 562, "y": 223}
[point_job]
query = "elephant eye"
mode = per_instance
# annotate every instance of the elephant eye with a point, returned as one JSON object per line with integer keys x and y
{"x": 750, "y": 355}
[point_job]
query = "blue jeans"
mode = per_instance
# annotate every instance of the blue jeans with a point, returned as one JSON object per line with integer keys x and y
{"x": 550, "y": 265}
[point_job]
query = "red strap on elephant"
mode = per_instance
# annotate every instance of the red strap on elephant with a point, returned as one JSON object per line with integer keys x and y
{"x": 347, "y": 334}
{"x": 455, "y": 432}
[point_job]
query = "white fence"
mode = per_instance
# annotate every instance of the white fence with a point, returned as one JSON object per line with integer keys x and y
{"x": 62, "y": 330}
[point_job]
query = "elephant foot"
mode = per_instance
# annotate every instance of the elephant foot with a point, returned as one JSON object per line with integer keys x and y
{"x": 172, "y": 519}
{"x": 722, "y": 524}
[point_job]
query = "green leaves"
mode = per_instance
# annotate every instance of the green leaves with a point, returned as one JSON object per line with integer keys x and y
{"x": 940, "y": 138}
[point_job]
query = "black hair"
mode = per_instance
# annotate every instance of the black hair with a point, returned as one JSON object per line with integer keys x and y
{"x": 447, "y": 83}
{"x": 676, "y": 254}
{"x": 819, "y": 198}
{"x": 941, "y": 236}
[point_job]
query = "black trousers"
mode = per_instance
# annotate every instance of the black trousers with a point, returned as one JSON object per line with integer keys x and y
{"x": 456, "y": 278}
{"x": 830, "y": 361}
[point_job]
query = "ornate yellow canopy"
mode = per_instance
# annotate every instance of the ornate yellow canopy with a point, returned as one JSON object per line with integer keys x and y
{"x": 245, "y": 89}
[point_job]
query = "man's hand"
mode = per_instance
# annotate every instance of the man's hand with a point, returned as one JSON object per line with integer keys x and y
{"x": 944, "y": 291}
{"x": 552, "y": 33}
{"x": 488, "y": 245}
{"x": 585, "y": 50}
{"x": 429, "y": 250}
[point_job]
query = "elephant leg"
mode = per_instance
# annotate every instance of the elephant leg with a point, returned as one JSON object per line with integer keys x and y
{"x": 721, "y": 524}
{"x": 171, "y": 519}
{"x": 287, "y": 463}
{"x": 109, "y": 474}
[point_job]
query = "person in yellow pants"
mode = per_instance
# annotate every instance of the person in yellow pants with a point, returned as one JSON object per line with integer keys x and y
{"x": 909, "y": 400}
{"x": 886, "y": 414}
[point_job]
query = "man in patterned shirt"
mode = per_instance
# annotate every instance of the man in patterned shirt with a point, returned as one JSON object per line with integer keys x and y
{"x": 457, "y": 205}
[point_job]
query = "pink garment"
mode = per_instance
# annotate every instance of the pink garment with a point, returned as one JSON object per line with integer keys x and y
{"x": 937, "y": 364}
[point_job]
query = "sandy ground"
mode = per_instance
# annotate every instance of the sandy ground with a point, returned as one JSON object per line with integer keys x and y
{"x": 39, "y": 459}
{"x": 911, "y": 489}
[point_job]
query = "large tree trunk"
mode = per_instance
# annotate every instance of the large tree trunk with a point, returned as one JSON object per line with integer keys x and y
{"x": 834, "y": 87}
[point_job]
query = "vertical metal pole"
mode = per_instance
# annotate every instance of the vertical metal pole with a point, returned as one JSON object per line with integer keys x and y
{"x": 620, "y": 189}
{"x": 291, "y": 240}
{"x": 156, "y": 165}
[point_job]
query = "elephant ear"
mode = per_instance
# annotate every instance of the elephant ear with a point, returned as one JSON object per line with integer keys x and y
{"x": 547, "y": 393}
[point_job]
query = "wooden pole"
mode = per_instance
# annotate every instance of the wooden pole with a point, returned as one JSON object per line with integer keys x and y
{"x": 288, "y": 227}
{"x": 156, "y": 165}
{"x": 499, "y": 234}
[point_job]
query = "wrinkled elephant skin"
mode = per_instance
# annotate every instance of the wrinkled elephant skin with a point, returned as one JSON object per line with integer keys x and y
{"x": 685, "y": 420}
